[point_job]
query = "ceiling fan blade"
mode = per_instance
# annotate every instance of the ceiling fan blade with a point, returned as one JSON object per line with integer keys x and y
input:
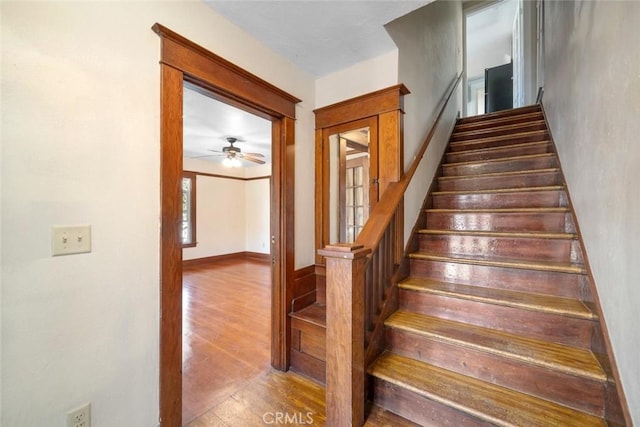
{"x": 253, "y": 159}
{"x": 254, "y": 154}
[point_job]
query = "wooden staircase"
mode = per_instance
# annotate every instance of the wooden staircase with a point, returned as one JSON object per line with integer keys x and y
{"x": 496, "y": 323}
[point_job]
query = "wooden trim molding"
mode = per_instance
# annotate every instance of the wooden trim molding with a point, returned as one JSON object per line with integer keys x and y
{"x": 230, "y": 80}
{"x": 239, "y": 178}
{"x": 370, "y": 104}
{"x": 186, "y": 63}
{"x": 170, "y": 248}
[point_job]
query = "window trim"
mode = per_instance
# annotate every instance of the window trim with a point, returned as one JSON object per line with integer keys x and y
{"x": 192, "y": 219}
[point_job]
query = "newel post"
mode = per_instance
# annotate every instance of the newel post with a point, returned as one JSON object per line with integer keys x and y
{"x": 345, "y": 270}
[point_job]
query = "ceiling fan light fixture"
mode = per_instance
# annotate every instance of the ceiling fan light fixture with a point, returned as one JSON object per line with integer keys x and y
{"x": 231, "y": 162}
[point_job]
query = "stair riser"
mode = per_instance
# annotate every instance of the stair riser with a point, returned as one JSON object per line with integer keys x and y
{"x": 538, "y": 179}
{"x": 502, "y": 166}
{"x": 525, "y": 199}
{"x": 308, "y": 366}
{"x": 476, "y": 144}
{"x": 500, "y": 115}
{"x": 559, "y": 250}
{"x": 462, "y": 134}
{"x": 419, "y": 409}
{"x": 538, "y": 325}
{"x": 308, "y": 349}
{"x": 577, "y": 392}
{"x": 553, "y": 222}
{"x": 471, "y": 156}
{"x": 542, "y": 282}
{"x": 522, "y": 118}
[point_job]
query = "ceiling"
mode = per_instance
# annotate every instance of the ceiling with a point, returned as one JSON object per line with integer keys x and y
{"x": 207, "y": 123}
{"x": 319, "y": 36}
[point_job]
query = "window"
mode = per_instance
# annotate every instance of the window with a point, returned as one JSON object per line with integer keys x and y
{"x": 357, "y": 196}
{"x": 188, "y": 230}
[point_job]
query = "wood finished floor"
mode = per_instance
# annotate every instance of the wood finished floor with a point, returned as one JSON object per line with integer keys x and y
{"x": 227, "y": 377}
{"x": 226, "y": 338}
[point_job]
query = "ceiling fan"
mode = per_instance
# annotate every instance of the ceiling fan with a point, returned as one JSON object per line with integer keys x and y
{"x": 233, "y": 154}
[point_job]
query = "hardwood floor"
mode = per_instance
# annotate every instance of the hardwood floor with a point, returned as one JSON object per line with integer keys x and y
{"x": 227, "y": 378}
{"x": 283, "y": 398}
{"x": 226, "y": 331}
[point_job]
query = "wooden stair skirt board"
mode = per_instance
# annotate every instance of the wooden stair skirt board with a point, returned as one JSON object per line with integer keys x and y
{"x": 496, "y": 323}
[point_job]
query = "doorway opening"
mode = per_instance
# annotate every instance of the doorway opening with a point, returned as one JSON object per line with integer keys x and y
{"x": 226, "y": 286}
{"x": 183, "y": 61}
{"x": 491, "y": 40}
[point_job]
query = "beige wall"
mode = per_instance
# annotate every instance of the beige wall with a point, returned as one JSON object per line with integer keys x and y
{"x": 231, "y": 215}
{"x": 592, "y": 99}
{"x": 359, "y": 79}
{"x": 80, "y": 144}
{"x": 429, "y": 44}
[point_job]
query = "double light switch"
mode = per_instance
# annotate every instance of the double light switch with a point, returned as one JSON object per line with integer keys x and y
{"x": 70, "y": 240}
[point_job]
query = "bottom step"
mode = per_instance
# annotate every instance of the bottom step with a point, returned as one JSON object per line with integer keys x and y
{"x": 477, "y": 402}
{"x": 379, "y": 417}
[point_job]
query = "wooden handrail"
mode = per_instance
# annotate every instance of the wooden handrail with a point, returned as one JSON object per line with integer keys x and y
{"x": 383, "y": 211}
{"x": 360, "y": 278}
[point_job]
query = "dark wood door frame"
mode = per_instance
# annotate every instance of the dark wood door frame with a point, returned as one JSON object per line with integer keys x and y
{"x": 183, "y": 61}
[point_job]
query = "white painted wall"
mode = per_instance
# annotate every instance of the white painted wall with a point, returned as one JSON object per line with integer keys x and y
{"x": 592, "y": 93}
{"x": 231, "y": 215}
{"x": 80, "y": 144}
{"x": 359, "y": 79}
{"x": 220, "y": 217}
{"x": 429, "y": 42}
{"x": 257, "y": 219}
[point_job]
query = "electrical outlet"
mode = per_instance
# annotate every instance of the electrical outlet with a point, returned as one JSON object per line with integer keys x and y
{"x": 80, "y": 417}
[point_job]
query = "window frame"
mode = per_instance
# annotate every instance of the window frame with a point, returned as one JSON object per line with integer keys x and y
{"x": 192, "y": 206}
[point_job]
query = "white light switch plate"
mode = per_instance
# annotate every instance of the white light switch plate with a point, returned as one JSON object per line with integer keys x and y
{"x": 70, "y": 240}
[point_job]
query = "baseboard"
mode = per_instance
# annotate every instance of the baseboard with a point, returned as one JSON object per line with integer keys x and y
{"x": 251, "y": 256}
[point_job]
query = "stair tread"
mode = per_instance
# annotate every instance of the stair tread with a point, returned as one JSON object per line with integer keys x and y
{"x": 497, "y": 128}
{"x": 500, "y": 190}
{"x": 501, "y": 159}
{"x": 471, "y": 124}
{"x": 531, "y": 301}
{"x": 528, "y": 235}
{"x": 498, "y": 138}
{"x": 501, "y": 210}
{"x": 571, "y": 360}
{"x": 379, "y": 417}
{"x": 486, "y": 401}
{"x": 527, "y": 109}
{"x": 496, "y": 174}
{"x": 559, "y": 267}
{"x": 502, "y": 147}
{"x": 315, "y": 313}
